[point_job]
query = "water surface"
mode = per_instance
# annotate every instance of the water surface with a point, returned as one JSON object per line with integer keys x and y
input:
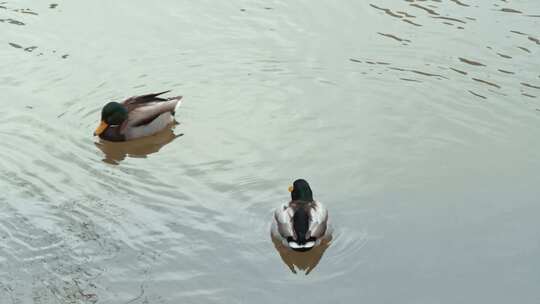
{"x": 416, "y": 123}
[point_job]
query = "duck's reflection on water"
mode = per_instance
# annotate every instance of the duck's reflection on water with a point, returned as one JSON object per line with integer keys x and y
{"x": 115, "y": 152}
{"x": 303, "y": 261}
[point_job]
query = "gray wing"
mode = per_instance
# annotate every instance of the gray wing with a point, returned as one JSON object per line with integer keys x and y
{"x": 283, "y": 217}
{"x": 319, "y": 220}
{"x": 145, "y": 108}
{"x": 149, "y": 111}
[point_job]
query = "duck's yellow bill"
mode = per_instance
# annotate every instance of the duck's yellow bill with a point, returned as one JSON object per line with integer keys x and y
{"x": 291, "y": 188}
{"x": 101, "y": 128}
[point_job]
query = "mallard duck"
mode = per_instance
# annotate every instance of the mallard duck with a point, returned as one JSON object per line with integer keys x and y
{"x": 137, "y": 117}
{"x": 302, "y": 222}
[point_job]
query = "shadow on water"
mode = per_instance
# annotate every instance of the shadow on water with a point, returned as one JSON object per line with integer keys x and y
{"x": 115, "y": 152}
{"x": 304, "y": 261}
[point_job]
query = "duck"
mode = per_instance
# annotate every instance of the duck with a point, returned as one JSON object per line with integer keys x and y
{"x": 137, "y": 117}
{"x": 302, "y": 222}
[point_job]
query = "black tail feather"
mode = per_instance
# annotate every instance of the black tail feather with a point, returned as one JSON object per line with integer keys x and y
{"x": 147, "y": 98}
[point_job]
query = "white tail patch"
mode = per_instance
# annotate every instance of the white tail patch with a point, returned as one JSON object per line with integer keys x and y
{"x": 308, "y": 245}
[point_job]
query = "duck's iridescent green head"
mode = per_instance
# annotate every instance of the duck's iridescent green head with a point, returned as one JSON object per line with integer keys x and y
{"x": 300, "y": 191}
{"x": 112, "y": 114}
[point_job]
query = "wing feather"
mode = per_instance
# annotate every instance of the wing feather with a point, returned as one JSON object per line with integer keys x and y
{"x": 144, "y": 109}
{"x": 319, "y": 219}
{"x": 152, "y": 97}
{"x": 283, "y": 218}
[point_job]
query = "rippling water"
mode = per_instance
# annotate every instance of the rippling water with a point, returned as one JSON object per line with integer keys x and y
{"x": 416, "y": 122}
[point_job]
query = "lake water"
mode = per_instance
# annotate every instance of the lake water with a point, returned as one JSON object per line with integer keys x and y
{"x": 416, "y": 122}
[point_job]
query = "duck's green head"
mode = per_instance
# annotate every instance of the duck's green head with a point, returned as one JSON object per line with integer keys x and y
{"x": 300, "y": 191}
{"x": 113, "y": 114}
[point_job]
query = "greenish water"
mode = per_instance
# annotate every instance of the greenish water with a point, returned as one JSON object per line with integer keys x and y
{"x": 416, "y": 123}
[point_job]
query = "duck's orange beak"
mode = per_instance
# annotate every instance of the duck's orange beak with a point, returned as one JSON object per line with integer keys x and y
{"x": 291, "y": 188}
{"x": 101, "y": 128}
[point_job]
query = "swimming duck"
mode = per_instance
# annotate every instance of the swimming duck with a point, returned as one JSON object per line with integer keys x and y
{"x": 301, "y": 223}
{"x": 137, "y": 117}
